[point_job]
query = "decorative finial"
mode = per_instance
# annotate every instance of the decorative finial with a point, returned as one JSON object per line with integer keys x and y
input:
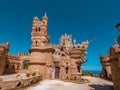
{"x": 115, "y": 42}
{"x": 45, "y": 14}
{"x": 74, "y": 41}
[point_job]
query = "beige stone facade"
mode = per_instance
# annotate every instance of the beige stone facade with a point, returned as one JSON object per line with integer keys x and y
{"x": 62, "y": 61}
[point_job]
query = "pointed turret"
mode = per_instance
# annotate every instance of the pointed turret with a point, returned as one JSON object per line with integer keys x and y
{"x": 45, "y": 20}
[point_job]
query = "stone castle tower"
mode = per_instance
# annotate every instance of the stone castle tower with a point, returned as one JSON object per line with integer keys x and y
{"x": 39, "y": 35}
{"x": 66, "y": 40}
{"x": 41, "y": 51}
{"x": 106, "y": 71}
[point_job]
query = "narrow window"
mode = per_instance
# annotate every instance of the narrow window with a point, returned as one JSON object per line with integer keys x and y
{"x": 67, "y": 70}
{"x": 78, "y": 69}
{"x": 36, "y": 43}
{"x": 7, "y": 66}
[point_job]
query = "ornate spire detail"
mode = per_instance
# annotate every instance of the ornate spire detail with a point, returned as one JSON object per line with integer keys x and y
{"x": 115, "y": 42}
{"x": 74, "y": 41}
{"x": 45, "y": 14}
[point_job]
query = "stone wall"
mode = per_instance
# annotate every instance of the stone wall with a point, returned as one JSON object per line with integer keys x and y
{"x": 14, "y": 84}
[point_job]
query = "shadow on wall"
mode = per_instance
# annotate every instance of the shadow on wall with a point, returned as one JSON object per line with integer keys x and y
{"x": 101, "y": 87}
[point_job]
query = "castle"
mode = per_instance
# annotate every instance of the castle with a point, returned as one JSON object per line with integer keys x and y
{"x": 62, "y": 61}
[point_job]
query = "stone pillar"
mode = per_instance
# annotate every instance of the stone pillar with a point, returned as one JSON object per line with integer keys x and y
{"x": 115, "y": 66}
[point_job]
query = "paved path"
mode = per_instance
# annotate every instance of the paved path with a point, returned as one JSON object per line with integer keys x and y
{"x": 95, "y": 84}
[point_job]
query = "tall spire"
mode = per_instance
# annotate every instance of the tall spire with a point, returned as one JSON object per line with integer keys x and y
{"x": 115, "y": 42}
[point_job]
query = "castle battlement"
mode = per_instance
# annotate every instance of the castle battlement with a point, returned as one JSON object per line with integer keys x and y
{"x": 23, "y": 54}
{"x": 13, "y": 57}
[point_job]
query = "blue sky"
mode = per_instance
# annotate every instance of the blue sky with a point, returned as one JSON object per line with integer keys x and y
{"x": 84, "y": 19}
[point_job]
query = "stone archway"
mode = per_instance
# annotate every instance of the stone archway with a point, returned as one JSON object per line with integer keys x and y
{"x": 57, "y": 72}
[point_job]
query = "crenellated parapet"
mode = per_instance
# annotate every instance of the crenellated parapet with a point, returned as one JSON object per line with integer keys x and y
{"x": 66, "y": 40}
{"x": 12, "y": 57}
{"x": 79, "y": 51}
{"x": 24, "y": 56}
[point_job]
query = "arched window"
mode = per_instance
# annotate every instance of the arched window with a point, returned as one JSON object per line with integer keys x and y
{"x": 18, "y": 67}
{"x": 7, "y": 66}
{"x": 67, "y": 69}
{"x": 13, "y": 66}
{"x": 83, "y": 46}
{"x": 38, "y": 30}
{"x": 78, "y": 68}
{"x": 36, "y": 43}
